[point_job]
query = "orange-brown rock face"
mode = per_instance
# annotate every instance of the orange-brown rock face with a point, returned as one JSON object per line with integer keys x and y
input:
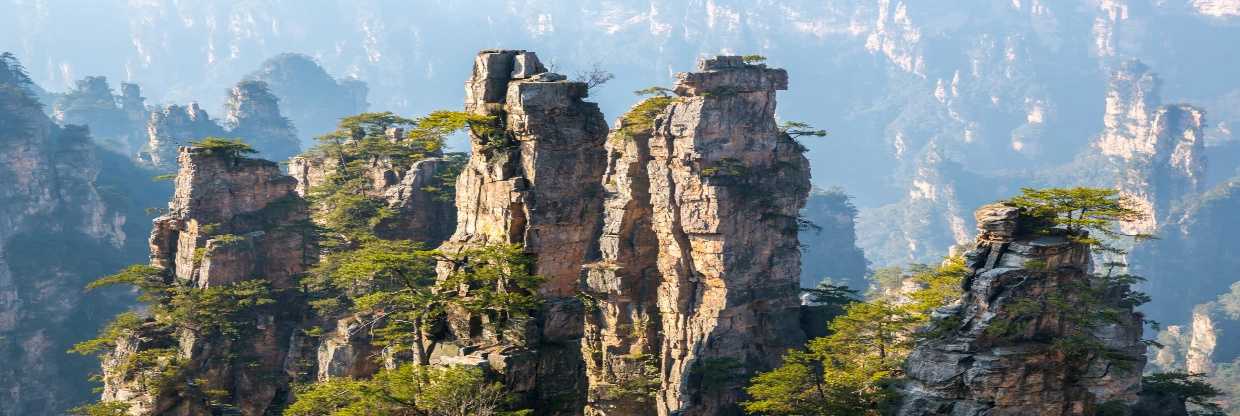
{"x": 232, "y": 219}
{"x": 622, "y": 325}
{"x": 725, "y": 187}
{"x": 535, "y": 183}
{"x": 973, "y": 368}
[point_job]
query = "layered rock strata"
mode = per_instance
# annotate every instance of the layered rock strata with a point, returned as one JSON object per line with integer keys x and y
{"x": 68, "y": 214}
{"x": 252, "y": 113}
{"x": 726, "y": 186}
{"x": 231, "y": 219}
{"x": 534, "y": 182}
{"x": 975, "y": 367}
{"x": 621, "y": 344}
{"x": 1157, "y": 152}
{"x": 423, "y": 211}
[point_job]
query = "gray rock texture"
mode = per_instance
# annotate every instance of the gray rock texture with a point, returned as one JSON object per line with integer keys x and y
{"x": 536, "y": 183}
{"x": 231, "y": 219}
{"x": 725, "y": 187}
{"x": 974, "y": 368}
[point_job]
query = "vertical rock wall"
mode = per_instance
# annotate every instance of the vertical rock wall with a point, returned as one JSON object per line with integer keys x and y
{"x": 1156, "y": 152}
{"x": 972, "y": 368}
{"x": 252, "y": 113}
{"x": 622, "y": 323}
{"x": 535, "y": 182}
{"x": 726, "y": 187}
{"x": 231, "y": 219}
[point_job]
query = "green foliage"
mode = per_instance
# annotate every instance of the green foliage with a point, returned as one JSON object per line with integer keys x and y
{"x": 164, "y": 178}
{"x": 1193, "y": 389}
{"x": 848, "y": 371}
{"x": 1080, "y": 211}
{"x": 637, "y": 379}
{"x": 121, "y": 326}
{"x": 151, "y": 282}
{"x": 656, "y": 91}
{"x": 444, "y": 184}
{"x": 217, "y": 310}
{"x": 717, "y": 373}
{"x": 641, "y": 117}
{"x": 753, "y": 59}
{"x": 796, "y": 129}
{"x": 726, "y": 168}
{"x": 405, "y": 390}
{"x": 828, "y": 293}
{"x": 101, "y": 409}
{"x": 230, "y": 148}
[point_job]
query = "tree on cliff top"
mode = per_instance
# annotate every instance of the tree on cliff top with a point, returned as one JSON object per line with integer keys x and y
{"x": 230, "y": 148}
{"x": 1081, "y": 211}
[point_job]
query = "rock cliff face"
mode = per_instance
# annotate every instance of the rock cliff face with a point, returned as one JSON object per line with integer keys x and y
{"x": 1157, "y": 151}
{"x": 68, "y": 213}
{"x": 975, "y": 367}
{"x": 422, "y": 214}
{"x": 115, "y": 121}
{"x": 311, "y": 97}
{"x": 172, "y": 127}
{"x": 252, "y": 112}
{"x": 621, "y": 346}
{"x": 231, "y": 220}
{"x": 536, "y": 183}
{"x": 726, "y": 187}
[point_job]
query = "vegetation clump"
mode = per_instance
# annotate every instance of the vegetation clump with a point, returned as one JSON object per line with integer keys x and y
{"x": 229, "y": 148}
{"x": 848, "y": 372}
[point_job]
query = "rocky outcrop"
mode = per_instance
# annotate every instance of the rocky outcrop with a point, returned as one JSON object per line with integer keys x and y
{"x": 1157, "y": 151}
{"x": 417, "y": 194}
{"x": 231, "y": 220}
{"x": 621, "y": 344}
{"x": 536, "y": 183}
{"x": 170, "y": 128}
{"x": 726, "y": 187}
{"x": 68, "y": 213}
{"x": 252, "y": 113}
{"x": 312, "y": 99}
{"x": 829, "y": 240}
{"x": 116, "y": 121}
{"x": 992, "y": 356}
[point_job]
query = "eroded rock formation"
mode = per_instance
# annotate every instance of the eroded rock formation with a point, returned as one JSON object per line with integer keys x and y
{"x": 68, "y": 214}
{"x": 172, "y": 127}
{"x": 424, "y": 210}
{"x": 1157, "y": 151}
{"x": 231, "y": 220}
{"x": 726, "y": 186}
{"x": 535, "y": 182}
{"x": 980, "y": 365}
{"x": 621, "y": 345}
{"x": 253, "y": 113}
{"x": 116, "y": 121}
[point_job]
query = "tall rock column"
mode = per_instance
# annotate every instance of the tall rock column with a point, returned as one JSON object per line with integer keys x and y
{"x": 1157, "y": 152}
{"x": 535, "y": 182}
{"x": 622, "y": 323}
{"x": 994, "y": 356}
{"x": 726, "y": 186}
{"x": 232, "y": 219}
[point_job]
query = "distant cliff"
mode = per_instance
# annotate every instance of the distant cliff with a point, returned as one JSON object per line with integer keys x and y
{"x": 70, "y": 211}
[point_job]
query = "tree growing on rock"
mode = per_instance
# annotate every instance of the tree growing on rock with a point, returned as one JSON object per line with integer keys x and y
{"x": 847, "y": 372}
